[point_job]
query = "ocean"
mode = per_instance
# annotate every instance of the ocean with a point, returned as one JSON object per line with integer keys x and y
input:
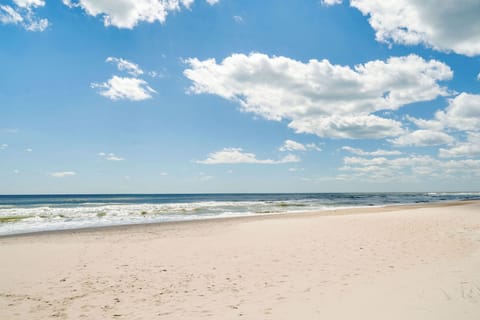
{"x": 34, "y": 213}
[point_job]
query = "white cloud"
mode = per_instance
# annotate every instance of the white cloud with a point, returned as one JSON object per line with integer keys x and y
{"x": 236, "y": 155}
{"x": 423, "y": 138}
{"x": 110, "y": 156}
{"x": 3, "y": 146}
{"x": 128, "y": 13}
{"x": 156, "y": 74}
{"x": 452, "y": 25}
{"x": 29, "y": 3}
{"x": 383, "y": 169}
{"x": 331, "y": 2}
{"x": 163, "y": 173}
{"x": 319, "y": 97}
{"x": 469, "y": 148}
{"x": 23, "y": 13}
{"x": 16, "y": 171}
{"x": 62, "y": 174}
{"x": 124, "y": 88}
{"x": 238, "y": 19}
{"x": 313, "y": 146}
{"x": 8, "y": 15}
{"x": 127, "y": 66}
{"x": 377, "y": 153}
{"x": 28, "y": 150}
{"x": 37, "y": 25}
{"x": 348, "y": 126}
{"x": 129, "y": 88}
{"x": 462, "y": 113}
{"x": 290, "y": 145}
{"x": 431, "y": 124}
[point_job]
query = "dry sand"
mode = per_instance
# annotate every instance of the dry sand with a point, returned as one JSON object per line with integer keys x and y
{"x": 400, "y": 263}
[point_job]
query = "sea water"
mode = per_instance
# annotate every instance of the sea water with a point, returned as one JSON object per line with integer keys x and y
{"x": 33, "y": 213}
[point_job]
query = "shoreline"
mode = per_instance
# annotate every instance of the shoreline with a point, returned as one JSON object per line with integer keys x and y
{"x": 326, "y": 212}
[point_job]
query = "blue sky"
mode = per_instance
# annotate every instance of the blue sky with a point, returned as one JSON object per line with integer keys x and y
{"x": 180, "y": 96}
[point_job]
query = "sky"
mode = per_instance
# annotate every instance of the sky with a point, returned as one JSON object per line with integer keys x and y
{"x": 220, "y": 96}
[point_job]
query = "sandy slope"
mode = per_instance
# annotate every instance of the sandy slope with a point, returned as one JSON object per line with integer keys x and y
{"x": 409, "y": 263}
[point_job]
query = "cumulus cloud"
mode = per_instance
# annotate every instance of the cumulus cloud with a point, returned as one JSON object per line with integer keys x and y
{"x": 319, "y": 97}
{"x": 129, "y": 88}
{"x": 462, "y": 113}
{"x": 124, "y": 88}
{"x": 62, "y": 174}
{"x": 127, "y": 66}
{"x": 453, "y": 25}
{"x": 23, "y": 13}
{"x": 423, "y": 138}
{"x": 3, "y": 146}
{"x": 427, "y": 124}
{"x": 237, "y": 155}
{"x": 331, "y": 2}
{"x": 290, "y": 145}
{"x": 110, "y": 156}
{"x": 313, "y": 146}
{"x": 8, "y": 15}
{"x": 348, "y": 126}
{"x": 469, "y": 148}
{"x": 377, "y": 153}
{"x": 128, "y": 13}
{"x": 29, "y": 3}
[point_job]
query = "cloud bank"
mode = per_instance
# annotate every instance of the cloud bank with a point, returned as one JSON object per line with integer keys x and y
{"x": 413, "y": 166}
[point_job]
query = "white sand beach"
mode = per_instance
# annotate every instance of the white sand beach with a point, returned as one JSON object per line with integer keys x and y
{"x": 412, "y": 262}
